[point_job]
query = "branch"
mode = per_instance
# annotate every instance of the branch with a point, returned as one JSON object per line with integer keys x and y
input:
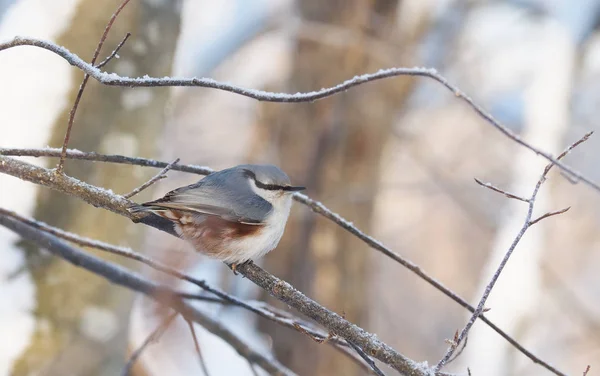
{"x": 152, "y": 338}
{"x": 264, "y": 310}
{"x": 115, "y": 52}
{"x": 114, "y": 79}
{"x": 96, "y": 157}
{"x": 500, "y": 190}
{"x": 315, "y": 206}
{"x": 279, "y": 289}
{"x": 161, "y": 175}
{"x": 550, "y": 214}
{"x": 260, "y": 308}
{"x": 367, "y": 359}
{"x": 197, "y": 347}
{"x": 86, "y": 77}
{"x": 123, "y": 277}
{"x": 526, "y": 225}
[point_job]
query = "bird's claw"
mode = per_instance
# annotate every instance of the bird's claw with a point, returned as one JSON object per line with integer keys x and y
{"x": 234, "y": 266}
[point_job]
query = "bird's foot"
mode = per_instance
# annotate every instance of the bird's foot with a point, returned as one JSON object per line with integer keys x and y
{"x": 234, "y": 266}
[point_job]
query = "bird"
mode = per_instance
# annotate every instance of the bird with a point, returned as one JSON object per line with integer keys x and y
{"x": 234, "y": 215}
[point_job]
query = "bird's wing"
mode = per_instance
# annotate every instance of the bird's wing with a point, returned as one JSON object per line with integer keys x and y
{"x": 229, "y": 198}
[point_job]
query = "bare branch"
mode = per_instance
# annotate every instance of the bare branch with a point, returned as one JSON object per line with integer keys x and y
{"x": 499, "y": 190}
{"x": 317, "y": 339}
{"x": 253, "y": 370}
{"x": 197, "y": 346}
{"x": 526, "y": 225}
{"x": 550, "y": 214}
{"x": 260, "y": 308}
{"x": 273, "y": 285}
{"x": 86, "y": 77}
{"x": 367, "y": 359}
{"x": 316, "y": 206}
{"x": 464, "y": 344}
{"x": 587, "y": 370}
{"x": 161, "y": 175}
{"x": 123, "y": 277}
{"x": 115, "y": 52}
{"x": 568, "y": 150}
{"x": 92, "y": 156}
{"x": 116, "y": 80}
{"x": 152, "y": 338}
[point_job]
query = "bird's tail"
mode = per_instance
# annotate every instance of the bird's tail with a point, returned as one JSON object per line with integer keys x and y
{"x": 145, "y": 207}
{"x": 152, "y": 207}
{"x": 137, "y": 208}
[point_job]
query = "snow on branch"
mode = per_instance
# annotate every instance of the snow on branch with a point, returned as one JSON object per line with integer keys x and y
{"x": 114, "y": 79}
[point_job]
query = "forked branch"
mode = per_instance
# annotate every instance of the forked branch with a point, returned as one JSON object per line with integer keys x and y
{"x": 528, "y": 222}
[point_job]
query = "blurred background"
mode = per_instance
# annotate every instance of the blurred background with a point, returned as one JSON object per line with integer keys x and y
{"x": 396, "y": 157}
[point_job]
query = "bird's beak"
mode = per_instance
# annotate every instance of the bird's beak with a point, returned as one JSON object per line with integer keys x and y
{"x": 294, "y": 189}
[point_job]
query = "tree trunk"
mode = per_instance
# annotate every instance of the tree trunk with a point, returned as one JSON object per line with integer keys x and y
{"x": 78, "y": 332}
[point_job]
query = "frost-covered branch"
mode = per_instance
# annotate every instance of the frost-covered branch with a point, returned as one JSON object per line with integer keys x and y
{"x": 315, "y": 206}
{"x": 86, "y": 77}
{"x": 114, "y": 79}
{"x": 281, "y": 290}
{"x": 527, "y": 223}
{"x": 260, "y": 308}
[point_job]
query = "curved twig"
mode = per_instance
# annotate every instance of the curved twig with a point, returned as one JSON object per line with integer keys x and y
{"x": 114, "y": 79}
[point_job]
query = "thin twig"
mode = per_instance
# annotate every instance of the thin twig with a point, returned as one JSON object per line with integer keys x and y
{"x": 549, "y": 214}
{"x": 587, "y": 370}
{"x": 59, "y": 168}
{"x": 116, "y": 80}
{"x": 255, "y": 373}
{"x": 197, "y": 346}
{"x": 152, "y": 338}
{"x": 161, "y": 175}
{"x": 115, "y": 52}
{"x": 526, "y": 225}
{"x": 568, "y": 150}
{"x": 499, "y": 190}
{"x": 110, "y": 158}
{"x": 25, "y": 170}
{"x": 367, "y": 359}
{"x": 318, "y": 339}
{"x": 464, "y": 344}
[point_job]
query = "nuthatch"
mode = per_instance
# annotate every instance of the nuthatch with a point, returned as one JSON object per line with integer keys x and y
{"x": 233, "y": 215}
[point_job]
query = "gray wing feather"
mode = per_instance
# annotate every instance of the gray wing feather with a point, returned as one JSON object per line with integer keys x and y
{"x": 225, "y": 193}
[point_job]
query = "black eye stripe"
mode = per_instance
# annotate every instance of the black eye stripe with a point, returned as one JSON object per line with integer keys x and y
{"x": 269, "y": 187}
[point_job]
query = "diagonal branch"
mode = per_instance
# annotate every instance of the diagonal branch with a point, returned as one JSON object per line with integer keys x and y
{"x": 161, "y": 175}
{"x": 262, "y": 309}
{"x": 113, "y": 79}
{"x": 123, "y": 277}
{"x": 528, "y": 222}
{"x": 278, "y": 288}
{"x": 197, "y": 347}
{"x": 86, "y": 77}
{"x": 152, "y": 338}
{"x": 115, "y": 52}
{"x": 316, "y": 206}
